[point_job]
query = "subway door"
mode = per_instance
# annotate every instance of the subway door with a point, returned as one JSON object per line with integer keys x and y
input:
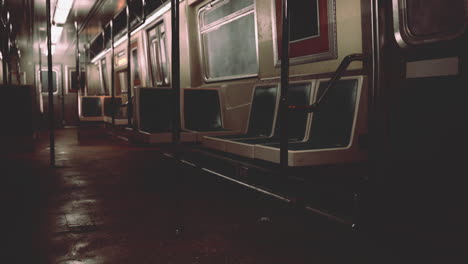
{"x": 70, "y": 97}
{"x": 58, "y": 99}
{"x": 425, "y": 87}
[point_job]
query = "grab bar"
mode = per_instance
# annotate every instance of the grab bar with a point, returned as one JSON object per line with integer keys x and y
{"x": 336, "y": 77}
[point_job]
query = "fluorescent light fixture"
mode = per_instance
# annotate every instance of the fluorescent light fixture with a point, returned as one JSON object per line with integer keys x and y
{"x": 55, "y": 33}
{"x": 62, "y": 10}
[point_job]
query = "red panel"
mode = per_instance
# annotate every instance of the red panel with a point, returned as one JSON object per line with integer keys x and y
{"x": 306, "y": 47}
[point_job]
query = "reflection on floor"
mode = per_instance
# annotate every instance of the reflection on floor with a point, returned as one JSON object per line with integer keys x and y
{"x": 111, "y": 202}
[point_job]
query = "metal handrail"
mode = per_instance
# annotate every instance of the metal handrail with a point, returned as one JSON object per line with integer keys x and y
{"x": 332, "y": 83}
{"x": 129, "y": 66}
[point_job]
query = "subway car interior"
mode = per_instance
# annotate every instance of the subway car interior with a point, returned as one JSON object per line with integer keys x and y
{"x": 234, "y": 131}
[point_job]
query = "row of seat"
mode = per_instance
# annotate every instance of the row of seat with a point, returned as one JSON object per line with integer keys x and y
{"x": 326, "y": 136}
{"x": 100, "y": 108}
{"x": 202, "y": 115}
{"x": 329, "y": 135}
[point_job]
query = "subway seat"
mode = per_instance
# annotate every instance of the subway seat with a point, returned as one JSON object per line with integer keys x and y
{"x": 330, "y": 135}
{"x": 120, "y": 115}
{"x": 155, "y": 116}
{"x": 260, "y": 124}
{"x": 202, "y": 112}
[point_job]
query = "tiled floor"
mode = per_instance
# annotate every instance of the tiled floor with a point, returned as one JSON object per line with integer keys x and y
{"x": 110, "y": 202}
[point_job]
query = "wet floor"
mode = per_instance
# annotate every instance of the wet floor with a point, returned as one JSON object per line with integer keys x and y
{"x": 112, "y": 202}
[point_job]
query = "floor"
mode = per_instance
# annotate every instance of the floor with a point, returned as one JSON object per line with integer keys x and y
{"x": 109, "y": 201}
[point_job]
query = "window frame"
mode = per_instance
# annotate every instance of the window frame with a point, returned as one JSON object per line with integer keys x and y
{"x": 121, "y": 83}
{"x": 57, "y": 76}
{"x": 403, "y": 35}
{"x": 332, "y": 52}
{"x": 135, "y": 68}
{"x": 102, "y": 75}
{"x": 166, "y": 78}
{"x": 215, "y": 25}
{"x": 70, "y": 71}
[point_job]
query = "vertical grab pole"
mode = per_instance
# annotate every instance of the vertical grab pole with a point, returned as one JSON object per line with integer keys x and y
{"x": 175, "y": 70}
{"x": 77, "y": 59}
{"x": 104, "y": 73}
{"x": 4, "y": 64}
{"x": 178, "y": 170}
{"x": 8, "y": 46}
{"x": 51, "y": 92}
{"x": 375, "y": 95}
{"x": 4, "y": 43}
{"x": 112, "y": 72}
{"x": 283, "y": 109}
{"x": 129, "y": 65}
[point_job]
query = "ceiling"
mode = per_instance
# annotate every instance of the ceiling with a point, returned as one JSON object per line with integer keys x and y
{"x": 29, "y": 22}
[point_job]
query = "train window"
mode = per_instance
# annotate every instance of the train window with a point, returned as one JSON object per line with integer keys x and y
{"x": 428, "y": 21}
{"x": 136, "y": 13}
{"x": 151, "y": 6}
{"x": 120, "y": 24}
{"x": 135, "y": 68}
{"x": 107, "y": 36}
{"x": 158, "y": 55}
{"x": 44, "y": 84}
{"x": 228, "y": 39}
{"x": 122, "y": 82}
{"x": 104, "y": 76}
{"x": 312, "y": 31}
{"x": 97, "y": 46}
{"x": 73, "y": 87}
{"x": 305, "y": 13}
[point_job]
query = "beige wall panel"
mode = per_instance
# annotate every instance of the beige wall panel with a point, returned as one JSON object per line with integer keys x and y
{"x": 237, "y": 98}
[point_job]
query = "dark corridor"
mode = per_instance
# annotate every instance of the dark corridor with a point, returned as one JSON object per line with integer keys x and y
{"x": 112, "y": 202}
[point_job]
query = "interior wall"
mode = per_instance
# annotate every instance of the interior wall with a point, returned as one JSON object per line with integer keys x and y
{"x": 237, "y": 93}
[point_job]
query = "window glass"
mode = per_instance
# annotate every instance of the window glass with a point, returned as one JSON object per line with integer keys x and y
{"x": 153, "y": 5}
{"x": 122, "y": 82}
{"x": 104, "y": 76}
{"x": 229, "y": 39}
{"x": 164, "y": 65}
{"x": 74, "y": 77}
{"x": 225, "y": 9}
{"x": 44, "y": 85}
{"x": 159, "y": 62}
{"x": 303, "y": 13}
{"x": 312, "y": 34}
{"x": 430, "y": 17}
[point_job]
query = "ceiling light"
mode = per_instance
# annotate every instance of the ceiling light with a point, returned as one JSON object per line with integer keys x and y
{"x": 62, "y": 10}
{"x": 55, "y": 33}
